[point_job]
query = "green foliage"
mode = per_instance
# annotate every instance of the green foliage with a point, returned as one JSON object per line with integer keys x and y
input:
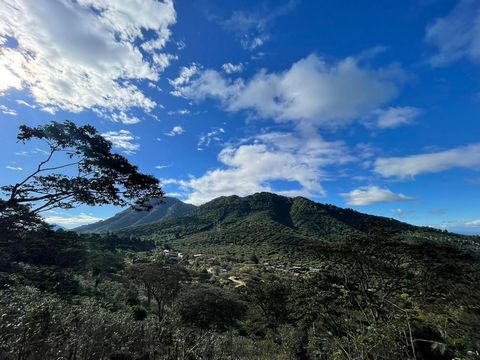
{"x": 46, "y": 247}
{"x": 101, "y": 177}
{"x": 160, "y": 281}
{"x": 279, "y": 227}
{"x": 208, "y": 307}
{"x": 264, "y": 277}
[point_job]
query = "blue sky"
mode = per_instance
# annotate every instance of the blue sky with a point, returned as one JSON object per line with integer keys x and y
{"x": 367, "y": 105}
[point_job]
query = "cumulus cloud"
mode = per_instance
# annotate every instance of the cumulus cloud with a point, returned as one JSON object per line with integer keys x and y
{"x": 368, "y": 195}
{"x": 230, "y": 68}
{"x": 72, "y": 221}
{"x": 311, "y": 90}
{"x": 395, "y": 116}
{"x": 409, "y": 166}
{"x": 76, "y": 55}
{"x": 456, "y": 35}
{"x": 10, "y": 65}
{"x": 255, "y": 164}
{"x": 176, "y": 130}
{"x": 123, "y": 140}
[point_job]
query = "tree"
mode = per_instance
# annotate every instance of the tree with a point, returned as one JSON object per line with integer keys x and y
{"x": 271, "y": 296}
{"x": 209, "y": 308}
{"x": 160, "y": 281}
{"x": 90, "y": 174}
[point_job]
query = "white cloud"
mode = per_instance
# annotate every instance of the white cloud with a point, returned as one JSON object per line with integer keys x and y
{"x": 176, "y": 130}
{"x": 179, "y": 112}
{"x": 399, "y": 212}
{"x": 186, "y": 73}
{"x": 174, "y": 194}
{"x": 457, "y": 35}
{"x": 76, "y": 55}
{"x": 163, "y": 60}
{"x": 395, "y": 116}
{"x": 251, "y": 43}
{"x": 41, "y": 151}
{"x": 10, "y": 65}
{"x": 208, "y": 138}
{"x": 459, "y": 226}
{"x": 123, "y": 140}
{"x": 251, "y": 28}
{"x": 125, "y": 119}
{"x": 14, "y": 167}
{"x": 159, "y": 43}
{"x": 181, "y": 45}
{"x": 230, "y": 68}
{"x": 168, "y": 181}
{"x": 311, "y": 90}
{"x": 160, "y": 167}
{"x": 255, "y": 164}
{"x": 24, "y": 103}
{"x": 410, "y": 166}
{"x": 473, "y": 223}
{"x": 72, "y": 221}
{"x": 368, "y": 195}
{"x": 22, "y": 153}
{"x": 7, "y": 111}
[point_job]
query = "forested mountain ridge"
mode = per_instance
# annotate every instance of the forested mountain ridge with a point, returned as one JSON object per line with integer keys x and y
{"x": 268, "y": 219}
{"x": 299, "y": 214}
{"x": 167, "y": 208}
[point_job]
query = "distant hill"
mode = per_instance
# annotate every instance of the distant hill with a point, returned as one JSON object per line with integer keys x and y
{"x": 276, "y": 224}
{"x": 167, "y": 208}
{"x": 56, "y": 227}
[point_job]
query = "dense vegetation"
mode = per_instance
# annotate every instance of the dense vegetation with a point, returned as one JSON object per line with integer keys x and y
{"x": 279, "y": 228}
{"x": 261, "y": 277}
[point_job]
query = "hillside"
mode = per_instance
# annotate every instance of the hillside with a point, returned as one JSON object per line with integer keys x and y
{"x": 276, "y": 225}
{"x": 259, "y": 277}
{"x": 167, "y": 208}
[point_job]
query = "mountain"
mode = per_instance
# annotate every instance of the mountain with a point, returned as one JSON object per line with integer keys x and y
{"x": 276, "y": 224}
{"x": 167, "y": 208}
{"x": 56, "y": 227}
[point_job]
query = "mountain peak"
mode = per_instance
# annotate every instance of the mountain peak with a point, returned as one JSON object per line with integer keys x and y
{"x": 164, "y": 208}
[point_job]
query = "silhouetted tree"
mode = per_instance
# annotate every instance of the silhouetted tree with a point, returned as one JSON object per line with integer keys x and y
{"x": 79, "y": 168}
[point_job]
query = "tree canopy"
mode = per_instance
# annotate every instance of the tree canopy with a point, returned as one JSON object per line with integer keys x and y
{"x": 79, "y": 168}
